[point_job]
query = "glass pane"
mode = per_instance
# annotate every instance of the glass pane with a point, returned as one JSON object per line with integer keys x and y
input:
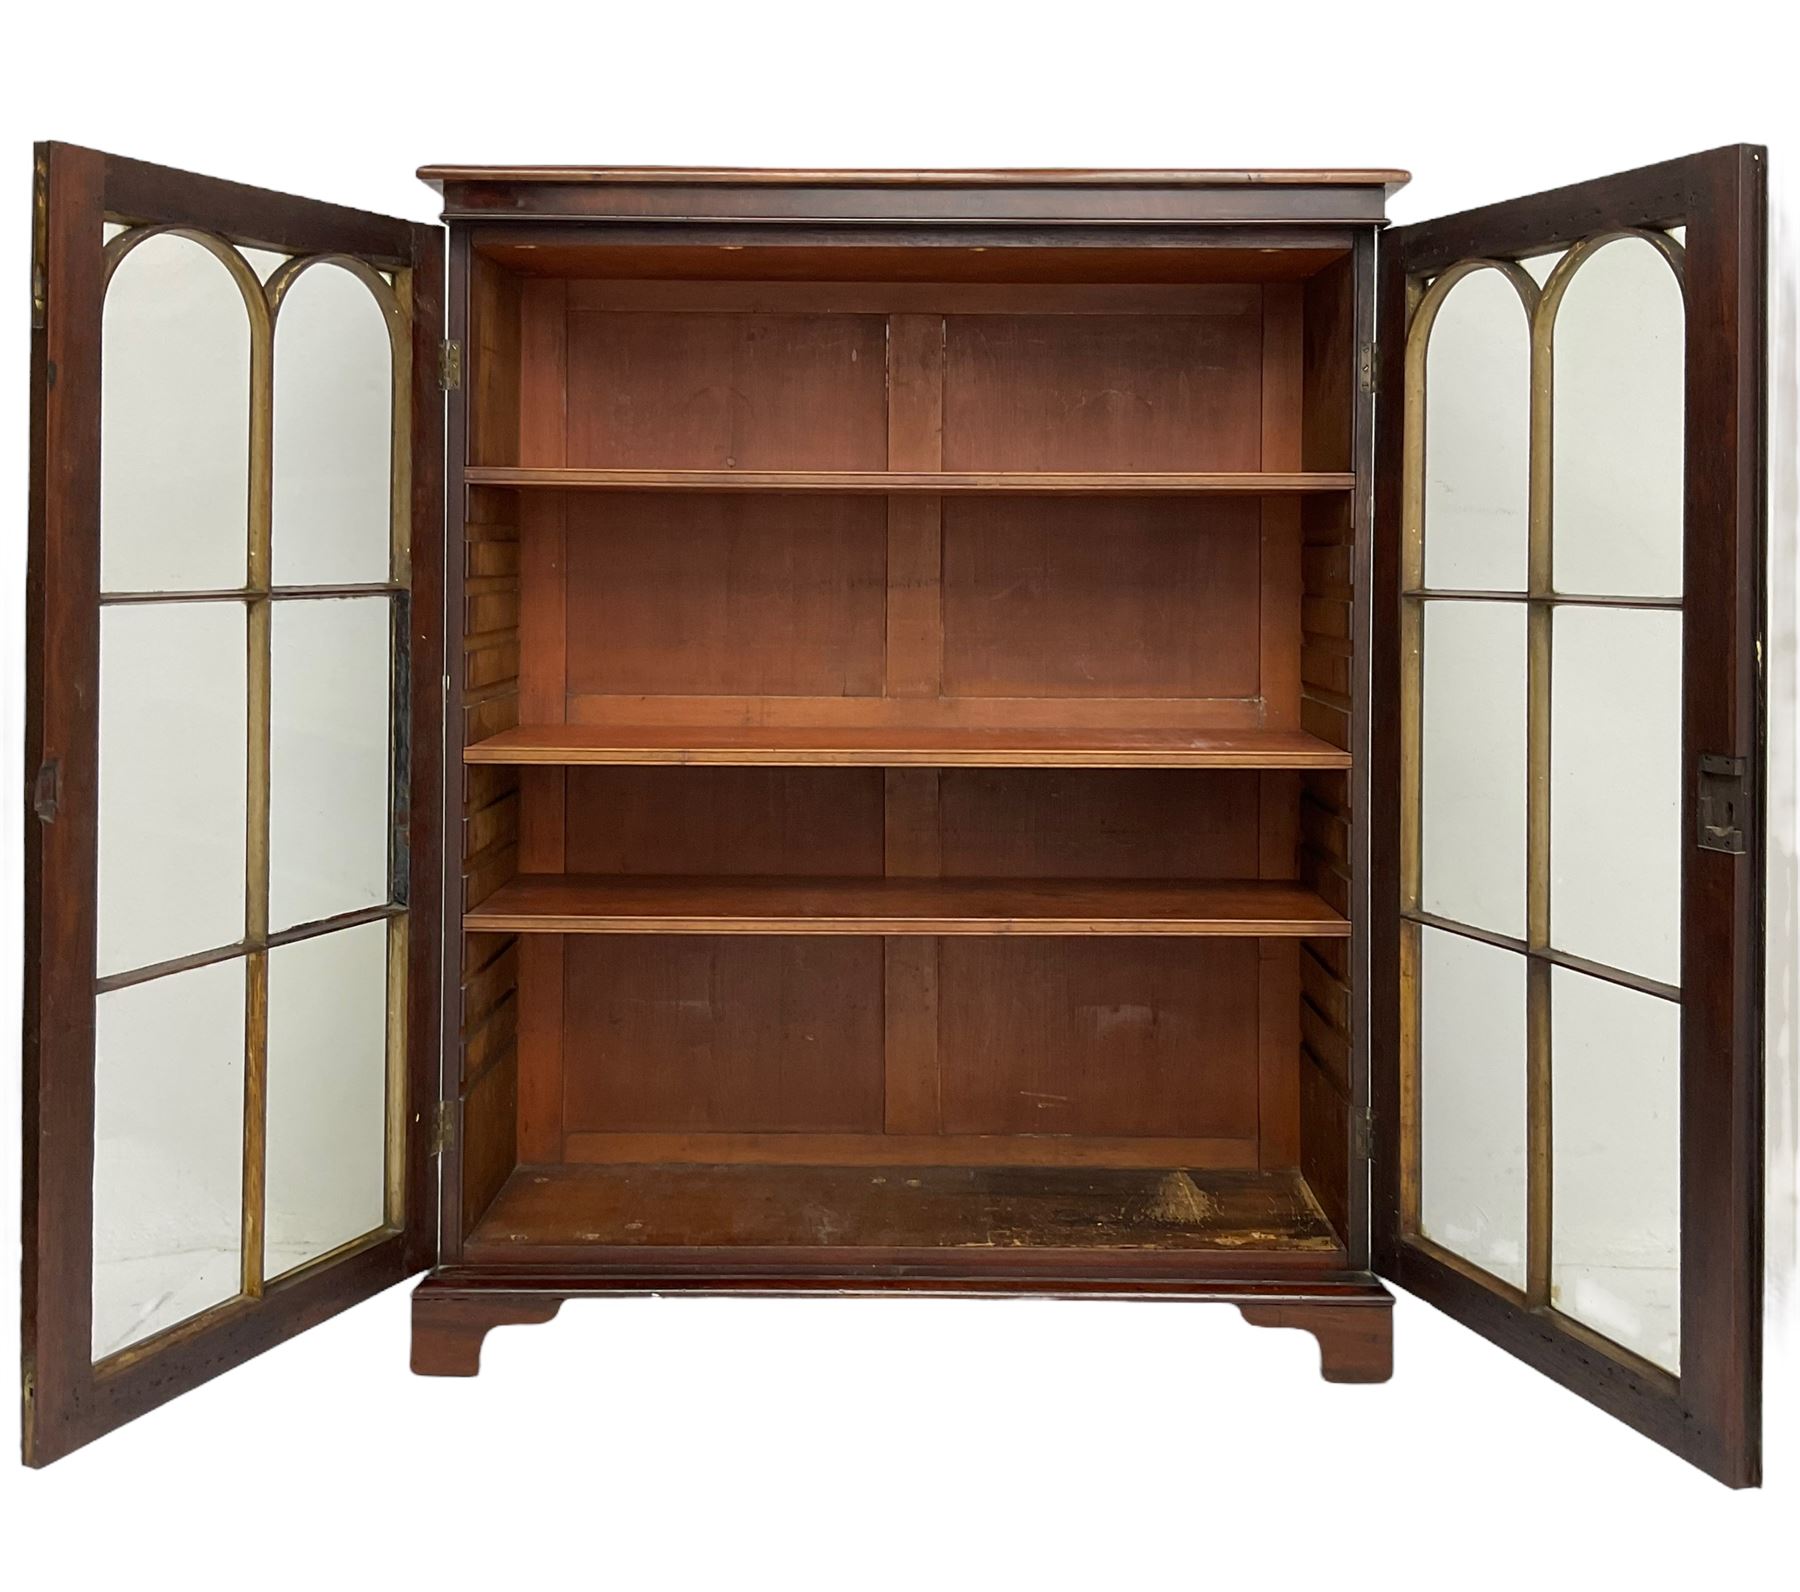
{"x": 172, "y": 778}
{"x": 333, "y": 432}
{"x": 1615, "y": 1242}
{"x": 1477, "y": 435}
{"x": 1472, "y": 801}
{"x": 329, "y": 758}
{"x": 168, "y": 1151}
{"x": 1619, "y": 406}
{"x": 174, "y": 422}
{"x": 327, "y": 1137}
{"x": 1472, "y": 1101}
{"x": 1615, "y": 788}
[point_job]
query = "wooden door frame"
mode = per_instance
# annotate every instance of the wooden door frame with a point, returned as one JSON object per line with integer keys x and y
{"x": 67, "y": 1399}
{"x": 1711, "y": 1414}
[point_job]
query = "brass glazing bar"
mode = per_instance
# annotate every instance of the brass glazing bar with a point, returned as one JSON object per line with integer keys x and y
{"x": 1538, "y": 1179}
{"x": 1609, "y": 975}
{"x": 225, "y": 953}
{"x": 259, "y": 666}
{"x": 1553, "y": 599}
{"x": 397, "y": 1103}
{"x": 1547, "y": 954}
{"x": 1411, "y": 1144}
{"x": 256, "y": 1081}
{"x": 338, "y": 920}
{"x": 238, "y": 594}
{"x": 1430, "y": 920}
{"x": 1424, "y": 301}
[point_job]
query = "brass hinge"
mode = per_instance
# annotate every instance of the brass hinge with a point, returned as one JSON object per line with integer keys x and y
{"x": 1365, "y": 367}
{"x": 1722, "y": 811}
{"x": 443, "y": 1126}
{"x": 449, "y": 364}
{"x": 1362, "y": 1134}
{"x": 40, "y": 244}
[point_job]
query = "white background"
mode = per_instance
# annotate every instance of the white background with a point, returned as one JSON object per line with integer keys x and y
{"x": 863, "y": 1444}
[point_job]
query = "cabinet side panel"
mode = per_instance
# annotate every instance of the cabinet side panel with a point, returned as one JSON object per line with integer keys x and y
{"x": 1331, "y": 438}
{"x": 491, "y": 1012}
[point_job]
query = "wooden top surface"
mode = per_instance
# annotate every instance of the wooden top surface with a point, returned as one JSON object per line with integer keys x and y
{"x": 1024, "y": 177}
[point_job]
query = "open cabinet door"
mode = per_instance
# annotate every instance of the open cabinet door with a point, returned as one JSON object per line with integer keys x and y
{"x": 1567, "y": 968}
{"x": 233, "y": 878}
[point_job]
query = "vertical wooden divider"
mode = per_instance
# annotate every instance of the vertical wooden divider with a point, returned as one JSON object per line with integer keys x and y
{"x": 1278, "y": 962}
{"x": 543, "y": 654}
{"x": 914, "y": 668}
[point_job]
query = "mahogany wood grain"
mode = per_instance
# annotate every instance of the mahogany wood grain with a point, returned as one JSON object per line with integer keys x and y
{"x": 1107, "y": 1036}
{"x": 724, "y": 821}
{"x": 627, "y": 904}
{"x": 717, "y": 593}
{"x": 902, "y": 1207}
{"x": 1096, "y": 598}
{"x": 941, "y": 745}
{"x": 910, "y": 1147}
{"x": 1103, "y": 392}
{"x": 1082, "y": 823}
{"x": 1042, "y": 201}
{"x": 710, "y": 1032}
{"x": 1356, "y": 1341}
{"x": 1023, "y": 482}
{"x": 678, "y": 390}
{"x": 967, "y": 268}
{"x": 883, "y": 177}
{"x": 447, "y": 1332}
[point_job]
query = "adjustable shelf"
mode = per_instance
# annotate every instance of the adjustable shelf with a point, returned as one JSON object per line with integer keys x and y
{"x": 889, "y": 746}
{"x": 597, "y": 904}
{"x": 1101, "y": 483}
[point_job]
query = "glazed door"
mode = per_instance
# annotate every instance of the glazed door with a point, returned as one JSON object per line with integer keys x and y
{"x": 234, "y": 709}
{"x": 1567, "y": 985}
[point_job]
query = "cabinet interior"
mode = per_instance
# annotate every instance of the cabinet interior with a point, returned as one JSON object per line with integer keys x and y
{"x": 912, "y": 833}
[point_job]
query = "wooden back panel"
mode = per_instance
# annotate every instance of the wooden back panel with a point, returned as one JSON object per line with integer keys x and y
{"x": 1007, "y": 609}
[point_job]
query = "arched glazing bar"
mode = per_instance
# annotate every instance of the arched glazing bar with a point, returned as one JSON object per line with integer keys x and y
{"x": 262, "y": 303}
{"x": 1540, "y": 307}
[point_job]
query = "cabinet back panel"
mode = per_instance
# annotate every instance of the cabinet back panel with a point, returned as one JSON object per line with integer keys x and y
{"x": 675, "y": 820}
{"x": 1095, "y": 1037}
{"x": 1105, "y": 392}
{"x": 1099, "y": 823}
{"x": 697, "y": 594}
{"x": 1152, "y": 598}
{"x": 722, "y": 1033}
{"x": 685, "y": 390}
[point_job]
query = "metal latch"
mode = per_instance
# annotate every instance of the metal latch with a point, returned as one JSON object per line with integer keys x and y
{"x": 1365, "y": 367}
{"x": 1362, "y": 1134}
{"x": 449, "y": 364}
{"x": 1723, "y": 808}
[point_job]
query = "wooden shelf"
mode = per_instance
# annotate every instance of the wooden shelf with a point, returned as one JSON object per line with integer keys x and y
{"x": 632, "y": 904}
{"x": 927, "y": 1206}
{"x": 887, "y": 482}
{"x": 890, "y": 746}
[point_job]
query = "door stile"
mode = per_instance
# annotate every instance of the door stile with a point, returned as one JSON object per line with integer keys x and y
{"x": 62, "y": 654}
{"x": 447, "y": 1125}
{"x": 431, "y": 929}
{"x": 1363, "y": 721}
